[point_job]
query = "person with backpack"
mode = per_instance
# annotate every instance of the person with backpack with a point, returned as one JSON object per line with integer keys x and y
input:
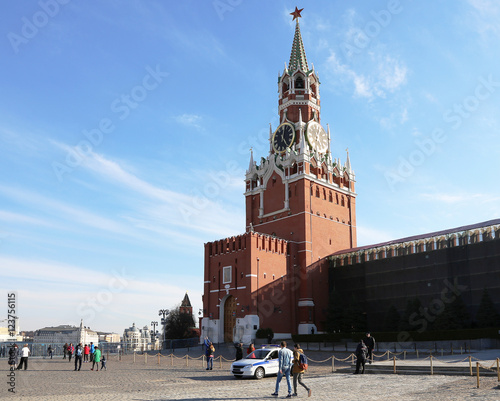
{"x": 209, "y": 352}
{"x": 299, "y": 367}
{"x": 78, "y": 356}
{"x": 361, "y": 353}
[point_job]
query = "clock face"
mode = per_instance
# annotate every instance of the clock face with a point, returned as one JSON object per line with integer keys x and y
{"x": 283, "y": 137}
{"x": 317, "y": 137}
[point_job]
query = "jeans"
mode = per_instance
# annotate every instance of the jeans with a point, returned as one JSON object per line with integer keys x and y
{"x": 210, "y": 362}
{"x": 78, "y": 362}
{"x": 285, "y": 370}
{"x": 298, "y": 377}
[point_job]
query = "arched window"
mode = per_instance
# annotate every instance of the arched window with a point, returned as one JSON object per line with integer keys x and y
{"x": 299, "y": 83}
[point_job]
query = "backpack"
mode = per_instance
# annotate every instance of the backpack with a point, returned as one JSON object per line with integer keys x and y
{"x": 79, "y": 351}
{"x": 303, "y": 365}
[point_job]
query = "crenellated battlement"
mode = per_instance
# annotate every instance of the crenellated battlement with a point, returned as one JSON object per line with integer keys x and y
{"x": 486, "y": 231}
{"x": 259, "y": 241}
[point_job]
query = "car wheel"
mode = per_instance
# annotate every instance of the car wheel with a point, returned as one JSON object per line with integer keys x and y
{"x": 260, "y": 373}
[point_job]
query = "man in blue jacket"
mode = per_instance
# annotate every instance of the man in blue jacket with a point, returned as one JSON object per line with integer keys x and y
{"x": 285, "y": 358}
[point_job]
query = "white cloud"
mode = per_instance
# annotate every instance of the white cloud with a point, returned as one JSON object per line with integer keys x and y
{"x": 59, "y": 293}
{"x": 190, "y": 120}
{"x": 386, "y": 75}
{"x": 485, "y": 16}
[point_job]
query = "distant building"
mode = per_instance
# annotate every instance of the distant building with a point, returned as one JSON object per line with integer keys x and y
{"x": 108, "y": 337}
{"x": 6, "y": 337}
{"x": 137, "y": 339}
{"x": 66, "y": 334}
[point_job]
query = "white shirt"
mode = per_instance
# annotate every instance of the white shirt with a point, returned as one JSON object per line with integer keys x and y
{"x": 25, "y": 352}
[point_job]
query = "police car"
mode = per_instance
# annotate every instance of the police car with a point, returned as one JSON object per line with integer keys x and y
{"x": 260, "y": 363}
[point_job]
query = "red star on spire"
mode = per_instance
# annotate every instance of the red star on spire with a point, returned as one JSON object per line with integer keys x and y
{"x": 296, "y": 13}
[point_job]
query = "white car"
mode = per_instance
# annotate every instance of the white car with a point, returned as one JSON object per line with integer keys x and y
{"x": 260, "y": 363}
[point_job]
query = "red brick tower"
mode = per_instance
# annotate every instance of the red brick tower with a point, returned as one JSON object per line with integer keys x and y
{"x": 300, "y": 207}
{"x": 298, "y": 192}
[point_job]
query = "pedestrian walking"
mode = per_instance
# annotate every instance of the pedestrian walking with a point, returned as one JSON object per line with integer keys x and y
{"x": 361, "y": 353}
{"x": 239, "y": 351}
{"x": 49, "y": 351}
{"x": 103, "y": 362}
{"x": 86, "y": 352}
{"x": 25, "y": 353}
{"x": 285, "y": 357}
{"x": 298, "y": 370}
{"x": 97, "y": 358}
{"x": 70, "y": 351}
{"x": 370, "y": 344}
{"x": 78, "y": 356}
{"x": 210, "y": 353}
{"x": 92, "y": 349}
{"x": 65, "y": 350}
{"x": 13, "y": 352}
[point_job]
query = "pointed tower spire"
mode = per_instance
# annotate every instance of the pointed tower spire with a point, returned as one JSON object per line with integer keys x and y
{"x": 348, "y": 162}
{"x": 298, "y": 55}
{"x": 250, "y": 165}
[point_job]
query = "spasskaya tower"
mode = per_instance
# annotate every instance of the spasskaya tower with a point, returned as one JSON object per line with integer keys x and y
{"x": 300, "y": 207}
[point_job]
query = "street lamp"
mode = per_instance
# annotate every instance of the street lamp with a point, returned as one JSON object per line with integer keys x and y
{"x": 153, "y": 333}
{"x": 163, "y": 313}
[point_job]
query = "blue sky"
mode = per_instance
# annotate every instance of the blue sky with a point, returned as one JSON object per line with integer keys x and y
{"x": 125, "y": 130}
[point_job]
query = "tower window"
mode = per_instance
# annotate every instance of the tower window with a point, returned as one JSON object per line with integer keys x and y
{"x": 299, "y": 83}
{"x": 226, "y": 275}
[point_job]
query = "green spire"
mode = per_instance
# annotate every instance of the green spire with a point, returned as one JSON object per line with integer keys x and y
{"x": 298, "y": 56}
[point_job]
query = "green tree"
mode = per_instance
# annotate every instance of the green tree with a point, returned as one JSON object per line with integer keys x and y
{"x": 455, "y": 316}
{"x": 178, "y": 324}
{"x": 392, "y": 319}
{"x": 487, "y": 315}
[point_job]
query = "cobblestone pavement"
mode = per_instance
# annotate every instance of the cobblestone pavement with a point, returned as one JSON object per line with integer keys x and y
{"x": 125, "y": 380}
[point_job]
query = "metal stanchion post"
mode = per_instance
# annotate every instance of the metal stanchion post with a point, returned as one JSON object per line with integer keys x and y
{"x": 220, "y": 361}
{"x": 498, "y": 370}
{"x": 187, "y": 360}
{"x": 432, "y": 369}
{"x": 477, "y": 371}
{"x": 333, "y": 364}
{"x": 394, "y": 362}
{"x": 470, "y": 365}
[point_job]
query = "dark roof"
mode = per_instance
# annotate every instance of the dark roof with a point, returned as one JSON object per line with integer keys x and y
{"x": 421, "y": 236}
{"x": 186, "y": 302}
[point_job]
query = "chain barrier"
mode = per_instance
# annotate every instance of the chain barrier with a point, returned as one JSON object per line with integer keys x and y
{"x": 479, "y": 363}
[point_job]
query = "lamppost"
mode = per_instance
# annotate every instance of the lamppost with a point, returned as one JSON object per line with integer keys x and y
{"x": 153, "y": 333}
{"x": 163, "y": 313}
